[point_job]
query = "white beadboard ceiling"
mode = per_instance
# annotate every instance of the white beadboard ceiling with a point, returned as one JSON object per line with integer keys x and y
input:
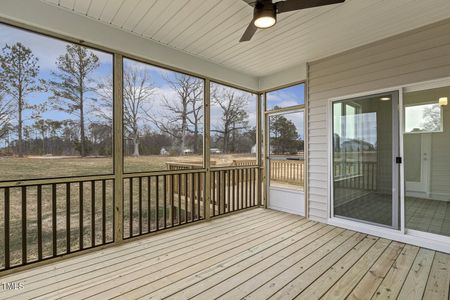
{"x": 210, "y": 29}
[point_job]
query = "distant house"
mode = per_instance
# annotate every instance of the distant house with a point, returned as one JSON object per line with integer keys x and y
{"x": 164, "y": 151}
{"x": 215, "y": 151}
{"x": 357, "y": 145}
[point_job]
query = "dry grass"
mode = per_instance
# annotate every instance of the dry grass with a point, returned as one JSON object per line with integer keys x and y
{"x": 49, "y": 167}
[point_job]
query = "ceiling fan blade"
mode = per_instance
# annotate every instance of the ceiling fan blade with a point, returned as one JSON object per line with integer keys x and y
{"x": 249, "y": 32}
{"x": 292, "y": 5}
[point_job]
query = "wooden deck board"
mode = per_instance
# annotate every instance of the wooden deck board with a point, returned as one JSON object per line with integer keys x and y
{"x": 256, "y": 254}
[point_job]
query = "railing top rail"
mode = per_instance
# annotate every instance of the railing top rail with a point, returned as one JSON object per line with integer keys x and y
{"x": 225, "y": 168}
{"x": 163, "y": 172}
{"x": 47, "y": 181}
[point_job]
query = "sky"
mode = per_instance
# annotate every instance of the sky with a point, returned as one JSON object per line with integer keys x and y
{"x": 290, "y": 96}
{"x": 47, "y": 50}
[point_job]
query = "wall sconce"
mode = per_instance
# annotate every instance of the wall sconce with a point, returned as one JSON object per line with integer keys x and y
{"x": 443, "y": 101}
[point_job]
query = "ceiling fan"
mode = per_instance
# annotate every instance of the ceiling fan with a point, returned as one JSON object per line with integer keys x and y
{"x": 265, "y": 12}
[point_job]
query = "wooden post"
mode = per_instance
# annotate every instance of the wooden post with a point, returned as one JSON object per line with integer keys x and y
{"x": 266, "y": 167}
{"x": 206, "y": 149}
{"x": 260, "y": 169}
{"x": 118, "y": 149}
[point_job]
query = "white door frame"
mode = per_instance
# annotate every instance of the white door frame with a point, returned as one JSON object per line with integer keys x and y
{"x": 396, "y": 151}
{"x": 414, "y": 237}
{"x": 285, "y": 195}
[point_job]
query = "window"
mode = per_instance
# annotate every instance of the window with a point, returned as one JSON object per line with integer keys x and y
{"x": 290, "y": 96}
{"x": 55, "y": 118}
{"x": 162, "y": 119}
{"x": 233, "y": 126}
{"x": 426, "y": 141}
{"x": 423, "y": 118}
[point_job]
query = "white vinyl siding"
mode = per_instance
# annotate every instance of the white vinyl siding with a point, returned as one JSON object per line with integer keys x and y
{"x": 419, "y": 55}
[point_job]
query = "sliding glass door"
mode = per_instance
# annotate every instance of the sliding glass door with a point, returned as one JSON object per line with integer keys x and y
{"x": 365, "y": 149}
{"x": 426, "y": 139}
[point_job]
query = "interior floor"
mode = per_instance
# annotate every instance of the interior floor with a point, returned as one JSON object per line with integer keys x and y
{"x": 426, "y": 215}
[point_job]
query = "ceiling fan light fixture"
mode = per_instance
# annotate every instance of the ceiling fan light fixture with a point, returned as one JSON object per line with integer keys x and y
{"x": 264, "y": 15}
{"x": 265, "y": 22}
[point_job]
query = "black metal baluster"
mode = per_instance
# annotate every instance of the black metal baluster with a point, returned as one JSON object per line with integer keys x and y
{"x": 219, "y": 192}
{"x": 131, "y": 206}
{"x": 54, "y": 231}
{"x": 165, "y": 200}
{"x": 149, "y": 205}
{"x": 192, "y": 197}
{"x": 172, "y": 195}
{"x": 199, "y": 195}
{"x": 24, "y": 225}
{"x": 140, "y": 205}
{"x": 93, "y": 213}
{"x": 186, "y": 198}
{"x": 7, "y": 229}
{"x": 204, "y": 194}
{"x": 254, "y": 186}
{"x": 213, "y": 188}
{"x": 68, "y": 239}
{"x": 247, "y": 200}
{"x": 157, "y": 203}
{"x": 179, "y": 199}
{"x": 81, "y": 214}
{"x": 229, "y": 191}
{"x": 39, "y": 217}
{"x": 234, "y": 191}
{"x": 103, "y": 211}
{"x": 241, "y": 181}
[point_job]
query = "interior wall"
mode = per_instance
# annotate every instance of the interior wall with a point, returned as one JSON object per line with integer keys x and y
{"x": 418, "y": 55}
{"x": 40, "y": 15}
{"x": 440, "y": 142}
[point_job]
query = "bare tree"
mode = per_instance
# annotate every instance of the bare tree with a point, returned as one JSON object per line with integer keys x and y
{"x": 234, "y": 117}
{"x": 19, "y": 72}
{"x": 6, "y": 110}
{"x": 72, "y": 84}
{"x": 138, "y": 90}
{"x": 181, "y": 114}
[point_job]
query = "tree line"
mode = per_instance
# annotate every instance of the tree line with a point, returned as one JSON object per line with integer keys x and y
{"x": 176, "y": 125}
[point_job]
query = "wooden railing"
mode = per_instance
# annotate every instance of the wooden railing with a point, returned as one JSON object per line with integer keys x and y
{"x": 356, "y": 175}
{"x": 288, "y": 171}
{"x": 42, "y": 221}
{"x": 156, "y": 202}
{"x": 186, "y": 165}
{"x": 233, "y": 189}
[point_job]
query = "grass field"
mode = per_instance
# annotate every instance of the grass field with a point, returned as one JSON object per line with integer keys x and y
{"x": 32, "y": 167}
{"x": 50, "y": 167}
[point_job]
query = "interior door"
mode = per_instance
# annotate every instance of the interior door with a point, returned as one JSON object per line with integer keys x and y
{"x": 365, "y": 166}
{"x": 285, "y": 161}
{"x": 418, "y": 156}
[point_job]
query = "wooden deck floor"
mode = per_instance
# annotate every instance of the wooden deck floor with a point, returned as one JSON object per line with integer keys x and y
{"x": 256, "y": 254}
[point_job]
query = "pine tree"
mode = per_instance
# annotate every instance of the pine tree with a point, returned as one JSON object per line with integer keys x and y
{"x": 19, "y": 70}
{"x": 73, "y": 83}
